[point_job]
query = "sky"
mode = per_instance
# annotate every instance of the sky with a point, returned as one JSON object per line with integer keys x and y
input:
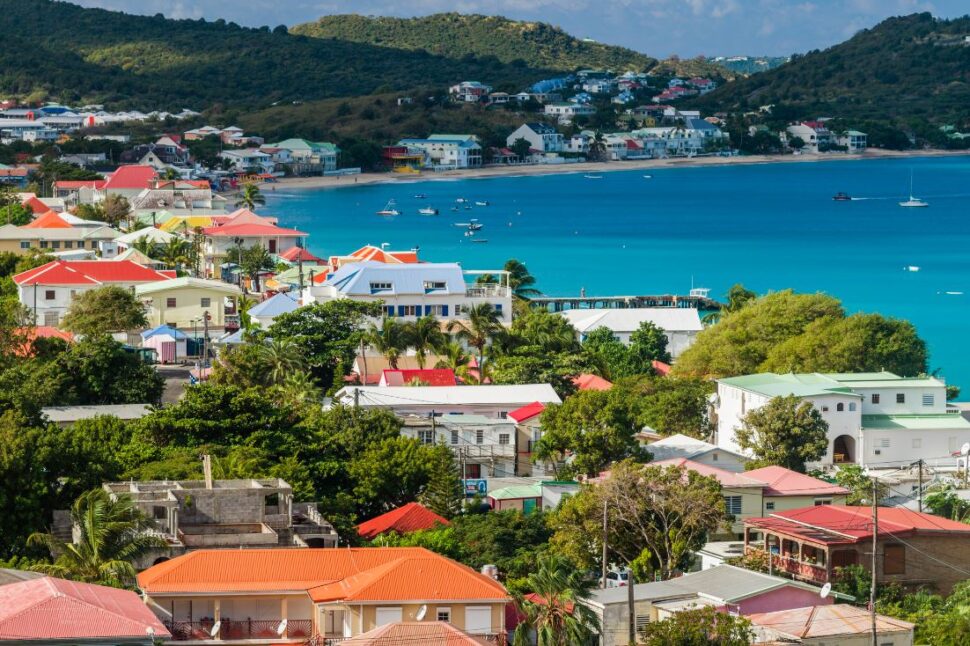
{"x": 655, "y": 27}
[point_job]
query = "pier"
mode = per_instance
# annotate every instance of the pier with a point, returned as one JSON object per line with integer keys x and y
{"x": 562, "y": 303}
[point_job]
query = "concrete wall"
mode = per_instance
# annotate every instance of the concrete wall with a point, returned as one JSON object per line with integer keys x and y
{"x": 221, "y": 506}
{"x": 409, "y": 612}
{"x": 784, "y": 503}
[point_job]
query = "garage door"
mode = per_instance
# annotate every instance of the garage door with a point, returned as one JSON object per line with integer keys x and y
{"x": 388, "y": 615}
{"x": 478, "y": 620}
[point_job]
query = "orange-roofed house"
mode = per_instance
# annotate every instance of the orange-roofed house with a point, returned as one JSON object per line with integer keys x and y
{"x": 422, "y": 376}
{"x": 591, "y": 382}
{"x": 375, "y": 254}
{"x": 31, "y": 334}
{"x": 912, "y": 548}
{"x": 35, "y": 205}
{"x": 436, "y": 633}
{"x": 244, "y": 596}
{"x": 245, "y": 229}
{"x": 408, "y": 518}
{"x": 48, "y": 220}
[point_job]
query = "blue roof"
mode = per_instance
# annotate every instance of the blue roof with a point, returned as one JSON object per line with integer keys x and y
{"x": 235, "y": 338}
{"x": 282, "y": 303}
{"x": 178, "y": 335}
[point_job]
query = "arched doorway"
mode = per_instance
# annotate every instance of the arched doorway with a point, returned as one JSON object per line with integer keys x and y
{"x": 160, "y": 559}
{"x": 843, "y": 449}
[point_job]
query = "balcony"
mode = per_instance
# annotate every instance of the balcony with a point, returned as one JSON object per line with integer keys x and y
{"x": 789, "y": 563}
{"x": 487, "y": 290}
{"x": 259, "y": 629}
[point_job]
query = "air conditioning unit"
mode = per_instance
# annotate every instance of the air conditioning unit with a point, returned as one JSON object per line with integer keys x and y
{"x": 877, "y": 452}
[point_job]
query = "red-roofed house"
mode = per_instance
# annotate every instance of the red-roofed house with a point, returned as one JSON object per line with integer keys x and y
{"x": 786, "y": 489}
{"x": 31, "y": 334}
{"x": 913, "y": 549}
{"x": 375, "y": 254}
{"x": 427, "y": 377}
{"x": 48, "y": 611}
{"x": 408, "y": 518}
{"x": 47, "y": 291}
{"x": 591, "y": 382}
{"x": 35, "y": 205}
{"x": 527, "y": 412}
{"x": 327, "y": 593}
{"x": 48, "y": 220}
{"x": 246, "y": 229}
{"x": 295, "y": 255}
{"x": 528, "y": 431}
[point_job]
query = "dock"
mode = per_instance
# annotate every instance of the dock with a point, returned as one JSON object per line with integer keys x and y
{"x": 562, "y": 303}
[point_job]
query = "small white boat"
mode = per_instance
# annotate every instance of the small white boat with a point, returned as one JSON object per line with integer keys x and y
{"x": 482, "y": 203}
{"x": 910, "y": 268}
{"x": 428, "y": 210}
{"x": 420, "y": 196}
{"x": 480, "y": 240}
{"x": 469, "y": 233}
{"x": 954, "y": 293}
{"x": 648, "y": 177}
{"x": 475, "y": 225}
{"x": 461, "y": 200}
{"x": 389, "y": 209}
{"x": 913, "y": 202}
{"x": 593, "y": 176}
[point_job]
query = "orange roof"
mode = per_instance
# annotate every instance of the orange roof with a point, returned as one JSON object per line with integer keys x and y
{"x": 663, "y": 369}
{"x": 49, "y": 220}
{"x": 591, "y": 382}
{"x": 376, "y": 254}
{"x": 31, "y": 334}
{"x": 438, "y": 633}
{"x": 406, "y": 518}
{"x": 35, "y": 205}
{"x": 327, "y": 574}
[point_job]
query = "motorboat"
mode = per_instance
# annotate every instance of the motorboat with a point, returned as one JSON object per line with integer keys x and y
{"x": 480, "y": 240}
{"x": 910, "y": 268}
{"x": 842, "y": 197}
{"x": 593, "y": 176}
{"x": 420, "y": 196}
{"x": 389, "y": 209}
{"x": 461, "y": 200}
{"x": 482, "y": 203}
{"x": 428, "y": 210}
{"x": 475, "y": 225}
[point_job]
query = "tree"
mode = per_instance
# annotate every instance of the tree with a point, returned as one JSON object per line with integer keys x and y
{"x": 256, "y": 260}
{"x": 796, "y": 143}
{"x": 854, "y": 478}
{"x": 520, "y": 280}
{"x": 705, "y": 626}
{"x": 669, "y": 405}
{"x": 103, "y": 310}
{"x": 454, "y": 357}
{"x": 611, "y": 356}
{"x": 444, "y": 492}
{"x": 116, "y": 209}
{"x": 786, "y": 431}
{"x": 648, "y": 343}
{"x": 557, "y": 613}
{"x": 521, "y": 147}
{"x": 390, "y": 339}
{"x": 944, "y": 501}
{"x": 251, "y": 197}
{"x": 282, "y": 358}
{"x": 112, "y": 535}
{"x": 667, "y": 510}
{"x": 17, "y": 214}
{"x": 479, "y": 329}
{"x": 174, "y": 253}
{"x": 425, "y": 336}
{"x": 592, "y": 429}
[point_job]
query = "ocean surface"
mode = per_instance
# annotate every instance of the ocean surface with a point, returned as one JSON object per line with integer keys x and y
{"x": 770, "y": 227}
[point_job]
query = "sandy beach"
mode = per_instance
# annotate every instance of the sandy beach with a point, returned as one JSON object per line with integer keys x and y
{"x": 597, "y": 167}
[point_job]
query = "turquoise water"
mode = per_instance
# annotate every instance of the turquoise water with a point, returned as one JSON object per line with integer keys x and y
{"x": 768, "y": 226}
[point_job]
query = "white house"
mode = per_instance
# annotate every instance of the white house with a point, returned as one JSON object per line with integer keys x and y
{"x": 448, "y": 151}
{"x": 566, "y": 112}
{"x": 680, "y": 324}
{"x": 541, "y": 137}
{"x": 680, "y": 446}
{"x": 249, "y": 159}
{"x": 485, "y": 447}
{"x": 469, "y": 91}
{"x": 492, "y": 401}
{"x": 854, "y": 141}
{"x": 413, "y": 290}
{"x": 305, "y": 156}
{"x": 875, "y": 419}
{"x": 815, "y": 136}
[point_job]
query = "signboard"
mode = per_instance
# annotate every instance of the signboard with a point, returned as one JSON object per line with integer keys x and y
{"x": 476, "y": 487}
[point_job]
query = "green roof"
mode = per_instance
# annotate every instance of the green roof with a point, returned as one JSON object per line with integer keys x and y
{"x": 516, "y": 491}
{"x": 861, "y": 376}
{"x": 916, "y": 422}
{"x": 303, "y": 144}
{"x": 770, "y": 384}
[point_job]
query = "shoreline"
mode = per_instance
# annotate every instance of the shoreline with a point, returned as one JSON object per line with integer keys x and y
{"x": 363, "y": 179}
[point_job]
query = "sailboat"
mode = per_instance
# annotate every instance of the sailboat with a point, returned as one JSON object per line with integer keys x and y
{"x": 389, "y": 209}
{"x": 913, "y": 202}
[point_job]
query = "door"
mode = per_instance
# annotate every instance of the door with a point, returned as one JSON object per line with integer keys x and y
{"x": 478, "y": 620}
{"x": 388, "y": 616}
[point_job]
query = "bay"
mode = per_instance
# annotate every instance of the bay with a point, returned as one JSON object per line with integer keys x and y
{"x": 768, "y": 226}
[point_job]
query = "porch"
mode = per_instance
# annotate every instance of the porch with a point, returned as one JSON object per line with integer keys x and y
{"x": 802, "y": 559}
{"x": 240, "y": 619}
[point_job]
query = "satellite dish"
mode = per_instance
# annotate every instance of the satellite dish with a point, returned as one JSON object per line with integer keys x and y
{"x": 826, "y": 590}
{"x": 281, "y": 628}
{"x": 215, "y": 629}
{"x": 422, "y": 611}
{"x": 150, "y": 631}
{"x": 965, "y": 449}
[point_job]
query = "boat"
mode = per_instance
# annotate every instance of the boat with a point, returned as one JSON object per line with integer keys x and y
{"x": 482, "y": 203}
{"x": 469, "y": 233}
{"x": 479, "y": 240}
{"x": 389, "y": 209}
{"x": 463, "y": 224}
{"x": 910, "y": 268}
{"x": 461, "y": 200}
{"x": 842, "y": 197}
{"x": 593, "y": 176}
{"x": 420, "y": 196}
{"x": 913, "y": 202}
{"x": 428, "y": 210}
{"x": 475, "y": 225}
{"x": 648, "y": 177}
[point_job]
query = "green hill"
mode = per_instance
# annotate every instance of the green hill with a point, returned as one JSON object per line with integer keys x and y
{"x": 59, "y": 51}
{"x": 456, "y": 36}
{"x": 911, "y": 67}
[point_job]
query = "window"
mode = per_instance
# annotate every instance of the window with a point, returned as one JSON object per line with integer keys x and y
{"x": 714, "y": 457}
{"x": 381, "y": 287}
{"x": 479, "y": 436}
{"x": 50, "y": 294}
{"x": 454, "y": 437}
{"x": 25, "y": 244}
{"x": 825, "y": 409}
{"x": 893, "y": 559}
{"x": 408, "y": 310}
{"x": 928, "y": 400}
{"x": 900, "y": 398}
{"x": 917, "y": 443}
{"x": 42, "y": 244}
{"x": 733, "y": 505}
{"x": 56, "y": 244}
{"x": 169, "y": 302}
{"x": 851, "y": 406}
{"x": 769, "y": 506}
{"x": 875, "y": 398}
{"x": 882, "y": 442}
{"x": 822, "y": 501}
{"x": 444, "y": 614}
{"x": 503, "y": 438}
{"x": 206, "y": 302}
{"x": 426, "y": 437}
{"x": 68, "y": 244}
{"x": 436, "y": 310}
{"x": 840, "y": 407}
{"x": 387, "y": 310}
{"x": 51, "y": 319}
{"x": 432, "y": 285}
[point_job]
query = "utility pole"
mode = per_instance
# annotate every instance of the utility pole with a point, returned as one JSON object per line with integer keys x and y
{"x": 356, "y": 398}
{"x": 605, "y": 529}
{"x": 630, "y": 605}
{"x": 875, "y": 543}
{"x": 920, "y": 491}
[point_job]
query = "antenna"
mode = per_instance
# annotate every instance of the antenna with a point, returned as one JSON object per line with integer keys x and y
{"x": 422, "y": 611}
{"x": 826, "y": 590}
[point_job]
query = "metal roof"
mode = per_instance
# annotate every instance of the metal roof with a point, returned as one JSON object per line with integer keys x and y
{"x": 406, "y": 396}
{"x": 626, "y": 320}
{"x": 356, "y": 278}
{"x": 66, "y": 414}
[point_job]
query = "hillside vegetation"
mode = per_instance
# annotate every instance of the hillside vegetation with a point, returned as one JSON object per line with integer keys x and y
{"x": 453, "y": 35}
{"x": 908, "y": 67}
{"x": 59, "y": 51}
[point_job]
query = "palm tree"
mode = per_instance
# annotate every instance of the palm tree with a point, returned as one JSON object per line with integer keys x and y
{"x": 453, "y": 357}
{"x": 480, "y": 328}
{"x": 250, "y": 197}
{"x": 425, "y": 336}
{"x": 390, "y": 339}
{"x": 255, "y": 260}
{"x": 597, "y": 147}
{"x": 244, "y": 304}
{"x": 520, "y": 280}
{"x": 146, "y": 246}
{"x": 113, "y": 533}
{"x": 175, "y": 253}
{"x": 283, "y": 358}
{"x": 554, "y": 610}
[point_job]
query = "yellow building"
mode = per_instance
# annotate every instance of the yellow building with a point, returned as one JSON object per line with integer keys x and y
{"x": 183, "y": 302}
{"x": 20, "y": 240}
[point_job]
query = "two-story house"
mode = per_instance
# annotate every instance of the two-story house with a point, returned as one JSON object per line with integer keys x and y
{"x": 447, "y": 151}
{"x": 541, "y": 137}
{"x": 491, "y": 401}
{"x": 242, "y": 230}
{"x": 484, "y": 447}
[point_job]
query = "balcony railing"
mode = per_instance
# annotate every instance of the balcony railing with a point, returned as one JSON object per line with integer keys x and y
{"x": 232, "y": 629}
{"x": 486, "y": 290}
{"x": 800, "y": 569}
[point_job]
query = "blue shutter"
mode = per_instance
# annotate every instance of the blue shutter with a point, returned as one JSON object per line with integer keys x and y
{"x": 444, "y": 310}
{"x": 427, "y": 310}
{"x": 400, "y": 310}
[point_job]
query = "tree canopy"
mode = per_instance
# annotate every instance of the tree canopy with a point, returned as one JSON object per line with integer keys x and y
{"x": 786, "y": 431}
{"x": 106, "y": 309}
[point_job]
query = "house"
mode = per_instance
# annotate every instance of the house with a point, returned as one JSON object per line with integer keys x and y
{"x": 591, "y": 382}
{"x": 725, "y": 587}
{"x": 786, "y": 489}
{"x": 484, "y": 446}
{"x": 874, "y": 418}
{"x": 833, "y": 624}
{"x": 567, "y": 112}
{"x": 529, "y": 431}
{"x": 131, "y": 254}
{"x": 447, "y": 151}
{"x": 65, "y": 416}
{"x": 45, "y": 611}
{"x": 183, "y": 302}
{"x": 273, "y": 596}
{"x": 854, "y": 141}
{"x": 412, "y": 517}
{"x": 309, "y": 157}
{"x": 423, "y": 376}
{"x": 469, "y": 91}
{"x": 17, "y": 177}
{"x": 243, "y": 229}
{"x": 413, "y": 632}
{"x": 47, "y": 291}
{"x": 913, "y": 549}
{"x": 578, "y": 144}
{"x": 523, "y": 498}
{"x": 494, "y": 401}
{"x": 178, "y": 197}
{"x": 152, "y": 235}
{"x": 20, "y": 240}
{"x": 410, "y": 291}
{"x": 681, "y": 325}
{"x": 815, "y": 136}
{"x": 375, "y": 254}
{"x": 541, "y": 137}
{"x": 299, "y": 255}
{"x": 680, "y": 446}
{"x": 168, "y": 343}
{"x": 249, "y": 160}
{"x": 263, "y": 314}
{"x": 368, "y": 369}
{"x": 168, "y": 151}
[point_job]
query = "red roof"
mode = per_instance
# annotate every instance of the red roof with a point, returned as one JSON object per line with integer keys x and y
{"x": 13, "y": 172}
{"x": 295, "y": 254}
{"x": 591, "y": 382}
{"x": 35, "y": 205}
{"x": 131, "y": 177}
{"x": 49, "y": 220}
{"x": 663, "y": 369}
{"x": 376, "y": 254}
{"x": 437, "y": 633}
{"x": 407, "y": 518}
{"x": 835, "y": 524}
{"x": 84, "y": 183}
{"x": 90, "y": 272}
{"x": 785, "y": 482}
{"x": 251, "y": 230}
{"x": 31, "y": 334}
{"x": 430, "y": 376}
{"x": 527, "y": 412}
{"x": 54, "y": 609}
{"x": 726, "y": 478}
